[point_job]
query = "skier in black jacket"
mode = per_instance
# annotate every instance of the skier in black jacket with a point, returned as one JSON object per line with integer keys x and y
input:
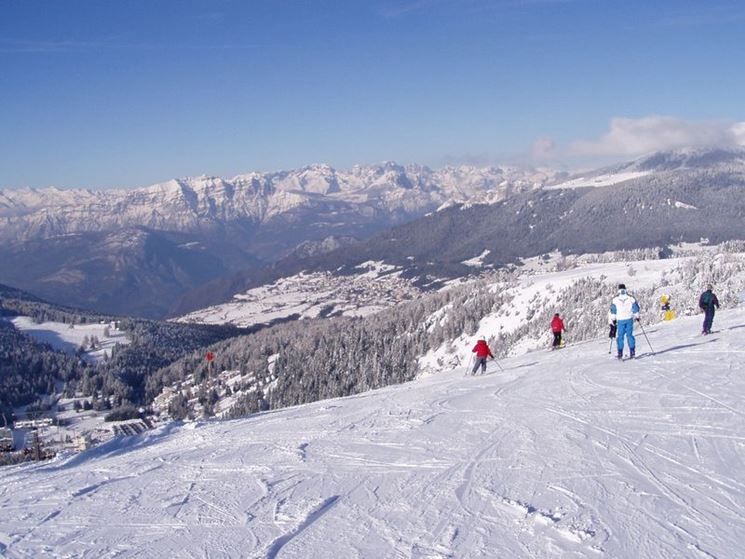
{"x": 708, "y": 303}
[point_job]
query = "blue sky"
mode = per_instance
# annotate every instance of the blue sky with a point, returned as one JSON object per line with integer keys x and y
{"x": 107, "y": 93}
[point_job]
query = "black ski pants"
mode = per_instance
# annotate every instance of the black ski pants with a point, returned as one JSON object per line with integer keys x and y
{"x": 708, "y": 319}
{"x": 557, "y": 339}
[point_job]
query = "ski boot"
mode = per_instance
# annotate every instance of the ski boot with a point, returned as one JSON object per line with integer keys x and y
{"x": 620, "y": 355}
{"x": 632, "y": 353}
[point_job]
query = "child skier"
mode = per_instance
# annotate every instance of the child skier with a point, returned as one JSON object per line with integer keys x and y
{"x": 557, "y": 327}
{"x": 482, "y": 351}
{"x": 668, "y": 313}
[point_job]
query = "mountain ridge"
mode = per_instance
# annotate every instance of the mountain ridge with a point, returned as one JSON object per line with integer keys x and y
{"x": 250, "y": 195}
{"x": 145, "y": 250}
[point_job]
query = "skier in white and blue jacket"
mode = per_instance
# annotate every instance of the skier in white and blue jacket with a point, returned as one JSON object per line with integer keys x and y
{"x": 623, "y": 311}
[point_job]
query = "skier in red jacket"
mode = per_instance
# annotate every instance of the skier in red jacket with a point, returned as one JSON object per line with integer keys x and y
{"x": 482, "y": 351}
{"x": 557, "y": 327}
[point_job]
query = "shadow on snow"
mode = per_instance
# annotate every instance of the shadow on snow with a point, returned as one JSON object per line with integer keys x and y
{"x": 676, "y": 348}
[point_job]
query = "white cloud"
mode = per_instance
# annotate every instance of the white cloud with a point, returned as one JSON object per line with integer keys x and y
{"x": 543, "y": 149}
{"x": 738, "y": 130}
{"x": 636, "y": 136}
{"x": 625, "y": 139}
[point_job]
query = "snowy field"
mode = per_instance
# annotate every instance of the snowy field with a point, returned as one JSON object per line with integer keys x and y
{"x": 599, "y": 180}
{"x": 310, "y": 295}
{"x": 64, "y": 338}
{"x": 563, "y": 454}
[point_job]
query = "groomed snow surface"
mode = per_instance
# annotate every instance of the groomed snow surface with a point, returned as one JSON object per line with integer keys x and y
{"x": 562, "y": 454}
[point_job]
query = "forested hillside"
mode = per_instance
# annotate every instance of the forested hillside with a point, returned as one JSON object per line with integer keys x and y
{"x": 302, "y": 362}
{"x": 29, "y": 369}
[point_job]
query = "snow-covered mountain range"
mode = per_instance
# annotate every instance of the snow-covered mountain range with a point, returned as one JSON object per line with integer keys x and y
{"x": 203, "y": 204}
{"x": 135, "y": 251}
{"x": 185, "y": 244}
{"x": 555, "y": 454}
{"x": 206, "y": 203}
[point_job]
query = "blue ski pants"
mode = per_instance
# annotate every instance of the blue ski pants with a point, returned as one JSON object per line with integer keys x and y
{"x": 625, "y": 328}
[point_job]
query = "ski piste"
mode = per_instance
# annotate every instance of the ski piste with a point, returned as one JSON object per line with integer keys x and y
{"x": 559, "y": 456}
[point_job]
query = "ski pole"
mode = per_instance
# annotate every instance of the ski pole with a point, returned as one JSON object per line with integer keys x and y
{"x": 645, "y": 336}
{"x": 612, "y": 336}
{"x": 498, "y": 365}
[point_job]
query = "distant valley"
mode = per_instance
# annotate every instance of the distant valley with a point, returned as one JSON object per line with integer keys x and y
{"x": 136, "y": 251}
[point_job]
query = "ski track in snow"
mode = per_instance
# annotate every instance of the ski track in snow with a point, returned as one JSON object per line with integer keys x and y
{"x": 563, "y": 454}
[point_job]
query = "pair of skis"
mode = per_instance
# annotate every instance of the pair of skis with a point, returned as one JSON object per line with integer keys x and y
{"x": 637, "y": 356}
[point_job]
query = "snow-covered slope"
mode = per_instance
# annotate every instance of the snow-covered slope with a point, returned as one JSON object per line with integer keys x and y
{"x": 310, "y": 295}
{"x": 96, "y": 339}
{"x": 603, "y": 179}
{"x": 563, "y": 454}
{"x": 681, "y": 161}
{"x": 537, "y": 290}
